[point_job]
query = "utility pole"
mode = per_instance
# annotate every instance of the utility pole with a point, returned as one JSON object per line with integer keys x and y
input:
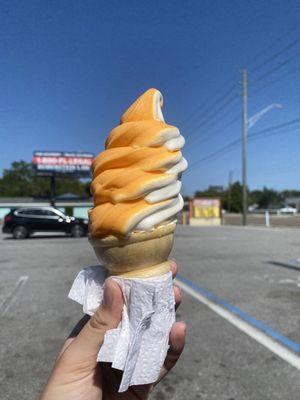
{"x": 229, "y": 191}
{"x": 244, "y": 144}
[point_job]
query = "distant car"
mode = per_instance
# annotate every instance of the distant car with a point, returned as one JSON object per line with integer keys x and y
{"x": 24, "y": 221}
{"x": 288, "y": 210}
{"x": 253, "y": 208}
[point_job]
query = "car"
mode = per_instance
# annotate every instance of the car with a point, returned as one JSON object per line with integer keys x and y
{"x": 24, "y": 221}
{"x": 288, "y": 210}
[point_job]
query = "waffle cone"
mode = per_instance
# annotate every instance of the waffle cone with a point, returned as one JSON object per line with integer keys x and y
{"x": 141, "y": 255}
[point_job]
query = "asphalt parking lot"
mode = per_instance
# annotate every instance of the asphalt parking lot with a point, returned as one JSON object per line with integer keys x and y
{"x": 249, "y": 268}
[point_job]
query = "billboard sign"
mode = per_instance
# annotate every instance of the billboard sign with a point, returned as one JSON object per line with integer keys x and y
{"x": 49, "y": 162}
{"x": 206, "y": 208}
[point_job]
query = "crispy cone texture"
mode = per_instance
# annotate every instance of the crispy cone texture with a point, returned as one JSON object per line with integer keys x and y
{"x": 141, "y": 255}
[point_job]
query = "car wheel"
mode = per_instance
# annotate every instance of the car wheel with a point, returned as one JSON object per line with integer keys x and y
{"x": 20, "y": 232}
{"x": 77, "y": 231}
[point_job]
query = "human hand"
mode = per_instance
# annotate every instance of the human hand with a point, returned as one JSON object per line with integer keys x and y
{"x": 78, "y": 376}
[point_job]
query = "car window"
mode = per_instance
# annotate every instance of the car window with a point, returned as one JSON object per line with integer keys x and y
{"x": 22, "y": 212}
{"x": 37, "y": 212}
{"x": 28, "y": 211}
{"x": 44, "y": 213}
{"x": 49, "y": 213}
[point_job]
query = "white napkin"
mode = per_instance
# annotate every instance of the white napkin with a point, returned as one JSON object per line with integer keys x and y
{"x": 138, "y": 346}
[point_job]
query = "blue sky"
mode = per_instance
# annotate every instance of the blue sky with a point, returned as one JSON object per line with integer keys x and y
{"x": 70, "y": 68}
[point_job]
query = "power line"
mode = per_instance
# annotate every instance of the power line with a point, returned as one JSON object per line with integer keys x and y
{"x": 276, "y": 127}
{"x": 285, "y": 62}
{"x": 207, "y": 137}
{"x": 192, "y": 138}
{"x": 205, "y": 104}
{"x": 213, "y": 113}
{"x": 296, "y": 128}
{"x": 263, "y": 133}
{"x": 219, "y": 109}
{"x": 274, "y": 44}
{"x": 290, "y": 45}
{"x": 231, "y": 146}
{"x": 209, "y": 109}
{"x": 215, "y": 153}
{"x": 274, "y": 56}
{"x": 269, "y": 83}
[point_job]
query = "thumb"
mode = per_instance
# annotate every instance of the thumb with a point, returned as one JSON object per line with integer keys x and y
{"x": 107, "y": 316}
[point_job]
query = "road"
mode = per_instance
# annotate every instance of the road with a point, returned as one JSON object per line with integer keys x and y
{"x": 246, "y": 267}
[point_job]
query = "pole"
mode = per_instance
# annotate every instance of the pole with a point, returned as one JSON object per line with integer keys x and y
{"x": 229, "y": 191}
{"x": 52, "y": 190}
{"x": 267, "y": 218}
{"x": 244, "y": 144}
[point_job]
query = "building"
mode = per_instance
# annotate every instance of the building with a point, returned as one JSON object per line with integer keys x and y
{"x": 293, "y": 202}
{"x": 68, "y": 203}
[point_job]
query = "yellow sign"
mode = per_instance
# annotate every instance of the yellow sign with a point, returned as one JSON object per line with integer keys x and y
{"x": 206, "y": 208}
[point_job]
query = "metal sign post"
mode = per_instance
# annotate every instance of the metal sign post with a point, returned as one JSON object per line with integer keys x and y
{"x": 56, "y": 164}
{"x": 52, "y": 190}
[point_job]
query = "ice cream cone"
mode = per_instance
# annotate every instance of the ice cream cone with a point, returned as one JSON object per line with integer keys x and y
{"x": 143, "y": 254}
{"x": 136, "y": 195}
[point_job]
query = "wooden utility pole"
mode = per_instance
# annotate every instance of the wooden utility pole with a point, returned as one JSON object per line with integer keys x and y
{"x": 244, "y": 145}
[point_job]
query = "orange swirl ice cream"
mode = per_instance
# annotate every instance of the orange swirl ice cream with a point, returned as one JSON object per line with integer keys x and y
{"x": 135, "y": 180}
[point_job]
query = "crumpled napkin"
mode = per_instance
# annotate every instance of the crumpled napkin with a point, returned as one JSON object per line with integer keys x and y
{"x": 138, "y": 346}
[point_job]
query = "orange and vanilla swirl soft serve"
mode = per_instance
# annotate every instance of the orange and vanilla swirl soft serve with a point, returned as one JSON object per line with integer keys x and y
{"x": 135, "y": 180}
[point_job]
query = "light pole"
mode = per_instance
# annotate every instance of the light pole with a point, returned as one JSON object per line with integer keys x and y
{"x": 256, "y": 117}
{"x": 247, "y": 124}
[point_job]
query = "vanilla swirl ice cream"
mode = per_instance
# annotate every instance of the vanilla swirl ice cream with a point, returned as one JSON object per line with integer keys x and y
{"x": 136, "y": 183}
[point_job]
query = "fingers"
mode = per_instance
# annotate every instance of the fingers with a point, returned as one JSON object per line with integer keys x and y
{"x": 177, "y": 296}
{"x": 173, "y": 268}
{"x": 177, "y": 293}
{"x": 177, "y": 341}
{"x": 78, "y": 327}
{"x": 107, "y": 316}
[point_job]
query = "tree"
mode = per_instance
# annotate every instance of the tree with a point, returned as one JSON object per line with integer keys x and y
{"x": 266, "y": 197}
{"x": 289, "y": 193}
{"x": 211, "y": 191}
{"x": 236, "y": 198}
{"x": 21, "y": 180}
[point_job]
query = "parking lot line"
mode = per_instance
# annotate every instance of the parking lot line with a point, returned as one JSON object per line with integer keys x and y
{"x": 277, "y": 343}
{"x": 12, "y": 295}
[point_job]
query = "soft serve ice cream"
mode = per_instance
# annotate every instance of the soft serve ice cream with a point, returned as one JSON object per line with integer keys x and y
{"x": 136, "y": 183}
{"x": 136, "y": 191}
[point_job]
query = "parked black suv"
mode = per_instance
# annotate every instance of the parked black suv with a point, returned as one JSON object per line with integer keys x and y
{"x": 22, "y": 222}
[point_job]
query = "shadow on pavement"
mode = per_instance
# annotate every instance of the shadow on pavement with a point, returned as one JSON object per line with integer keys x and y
{"x": 288, "y": 265}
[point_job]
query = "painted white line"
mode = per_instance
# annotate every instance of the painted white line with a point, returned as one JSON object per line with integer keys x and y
{"x": 13, "y": 294}
{"x": 243, "y": 326}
